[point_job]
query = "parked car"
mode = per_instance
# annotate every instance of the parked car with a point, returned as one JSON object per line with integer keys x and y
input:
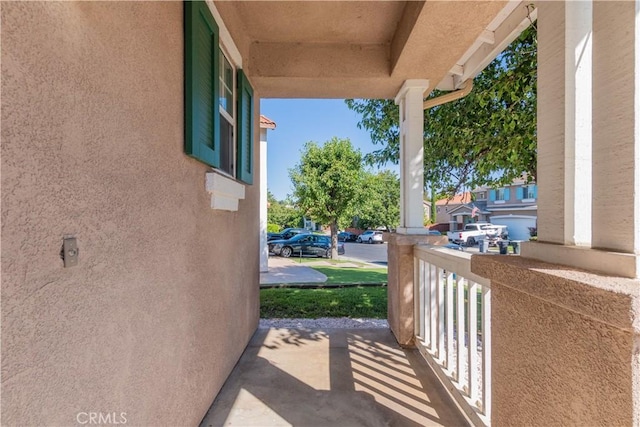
{"x": 345, "y": 236}
{"x": 474, "y": 232}
{"x": 370, "y": 236}
{"x": 434, "y": 233}
{"x": 287, "y": 233}
{"x": 304, "y": 244}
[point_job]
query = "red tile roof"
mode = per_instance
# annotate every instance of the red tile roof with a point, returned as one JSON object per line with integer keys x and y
{"x": 267, "y": 123}
{"x": 458, "y": 199}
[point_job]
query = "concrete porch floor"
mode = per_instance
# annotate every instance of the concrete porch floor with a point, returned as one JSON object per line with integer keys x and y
{"x": 331, "y": 377}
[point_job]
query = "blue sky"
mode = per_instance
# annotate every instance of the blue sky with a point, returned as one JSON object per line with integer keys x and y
{"x": 299, "y": 121}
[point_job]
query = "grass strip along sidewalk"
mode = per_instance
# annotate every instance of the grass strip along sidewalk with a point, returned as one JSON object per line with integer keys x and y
{"x": 349, "y": 276}
{"x": 365, "y": 302}
{"x": 339, "y": 296}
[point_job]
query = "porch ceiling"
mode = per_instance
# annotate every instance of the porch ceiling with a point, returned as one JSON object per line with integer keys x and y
{"x": 345, "y": 49}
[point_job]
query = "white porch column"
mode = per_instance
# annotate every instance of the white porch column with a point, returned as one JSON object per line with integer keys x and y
{"x": 589, "y": 136}
{"x": 410, "y": 99}
{"x": 265, "y": 124}
{"x": 564, "y": 122}
{"x": 616, "y": 122}
{"x": 264, "y": 248}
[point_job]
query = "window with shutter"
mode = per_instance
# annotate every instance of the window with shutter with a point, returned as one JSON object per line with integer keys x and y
{"x": 245, "y": 129}
{"x": 202, "y": 121}
{"x": 529, "y": 192}
{"x": 218, "y": 101}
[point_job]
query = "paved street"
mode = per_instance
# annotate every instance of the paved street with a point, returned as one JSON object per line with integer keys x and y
{"x": 374, "y": 253}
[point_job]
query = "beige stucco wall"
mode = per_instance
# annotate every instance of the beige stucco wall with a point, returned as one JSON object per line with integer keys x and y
{"x": 161, "y": 305}
{"x": 565, "y": 344}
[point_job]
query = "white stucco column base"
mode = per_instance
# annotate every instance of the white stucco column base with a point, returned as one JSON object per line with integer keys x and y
{"x": 410, "y": 99}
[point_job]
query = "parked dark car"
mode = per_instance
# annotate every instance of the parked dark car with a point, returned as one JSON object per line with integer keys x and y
{"x": 304, "y": 244}
{"x": 345, "y": 236}
{"x": 287, "y": 233}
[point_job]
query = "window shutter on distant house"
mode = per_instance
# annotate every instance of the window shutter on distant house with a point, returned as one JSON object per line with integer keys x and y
{"x": 534, "y": 189}
{"x": 492, "y": 195}
{"x": 520, "y": 193}
{"x": 244, "y": 170}
{"x": 507, "y": 195}
{"x": 202, "y": 86}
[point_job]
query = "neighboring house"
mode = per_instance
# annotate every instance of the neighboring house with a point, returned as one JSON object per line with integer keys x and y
{"x": 445, "y": 207}
{"x": 514, "y": 205}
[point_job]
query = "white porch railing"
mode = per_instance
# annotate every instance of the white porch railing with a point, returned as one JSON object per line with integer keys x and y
{"x": 453, "y": 326}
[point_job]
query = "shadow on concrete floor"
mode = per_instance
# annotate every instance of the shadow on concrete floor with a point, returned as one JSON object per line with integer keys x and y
{"x": 332, "y": 377}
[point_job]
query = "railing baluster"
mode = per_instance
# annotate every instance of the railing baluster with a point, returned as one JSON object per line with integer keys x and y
{"x": 449, "y": 361}
{"x": 460, "y": 362}
{"x": 441, "y": 317}
{"x": 419, "y": 301}
{"x": 426, "y": 316}
{"x": 433, "y": 318}
{"x": 473, "y": 342}
{"x": 486, "y": 351}
{"x": 451, "y": 330}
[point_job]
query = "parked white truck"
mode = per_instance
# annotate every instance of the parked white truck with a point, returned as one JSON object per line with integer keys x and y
{"x": 476, "y": 231}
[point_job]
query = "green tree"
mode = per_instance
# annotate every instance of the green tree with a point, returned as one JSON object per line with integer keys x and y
{"x": 327, "y": 183}
{"x": 380, "y": 201}
{"x": 486, "y": 138}
{"x": 284, "y": 213}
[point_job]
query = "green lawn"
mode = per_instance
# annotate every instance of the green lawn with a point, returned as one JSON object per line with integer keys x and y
{"x": 357, "y": 301}
{"x": 352, "y": 275}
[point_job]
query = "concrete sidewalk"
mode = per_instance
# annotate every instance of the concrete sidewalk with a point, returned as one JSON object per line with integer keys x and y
{"x": 328, "y": 378}
{"x": 288, "y": 270}
{"x": 291, "y": 270}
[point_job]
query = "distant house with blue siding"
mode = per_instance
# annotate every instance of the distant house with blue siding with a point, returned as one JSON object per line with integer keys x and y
{"x": 515, "y": 206}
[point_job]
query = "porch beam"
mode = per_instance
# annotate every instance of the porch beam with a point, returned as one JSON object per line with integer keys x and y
{"x": 433, "y": 24}
{"x": 410, "y": 99}
{"x": 319, "y": 60}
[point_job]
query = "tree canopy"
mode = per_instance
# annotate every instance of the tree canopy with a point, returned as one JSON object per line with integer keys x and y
{"x": 485, "y": 138}
{"x": 283, "y": 213}
{"x": 327, "y": 183}
{"x": 380, "y": 201}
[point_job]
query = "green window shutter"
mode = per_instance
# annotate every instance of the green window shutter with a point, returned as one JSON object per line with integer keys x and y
{"x": 244, "y": 170}
{"x": 202, "y": 85}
